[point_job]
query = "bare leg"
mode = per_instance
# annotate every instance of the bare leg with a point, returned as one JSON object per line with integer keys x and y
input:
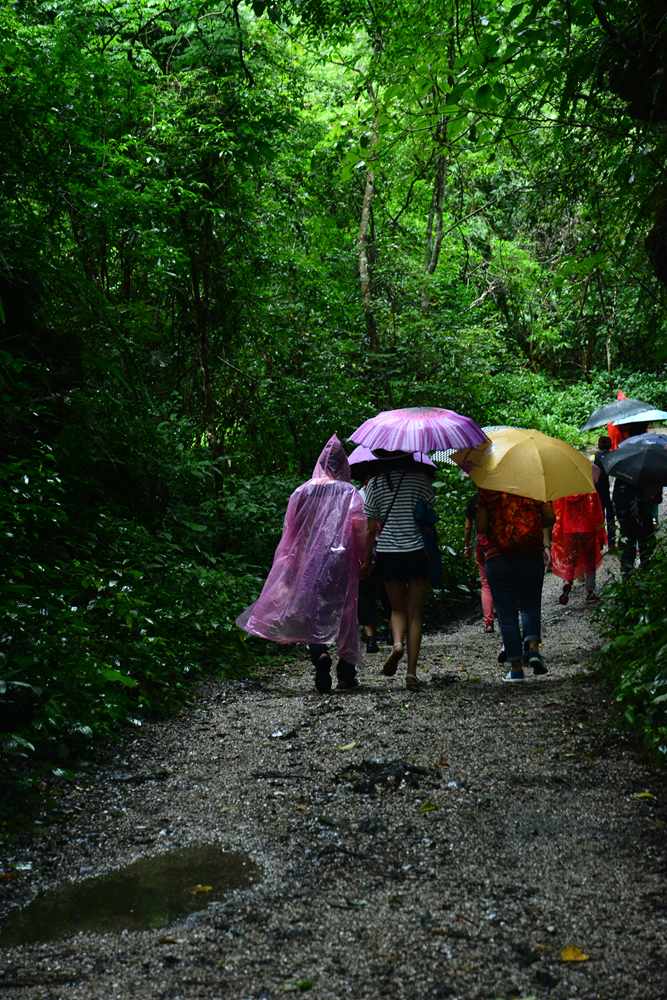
{"x": 397, "y": 591}
{"x": 417, "y": 591}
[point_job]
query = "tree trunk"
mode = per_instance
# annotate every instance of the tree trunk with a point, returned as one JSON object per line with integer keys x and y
{"x": 607, "y": 325}
{"x": 437, "y": 203}
{"x": 362, "y": 243}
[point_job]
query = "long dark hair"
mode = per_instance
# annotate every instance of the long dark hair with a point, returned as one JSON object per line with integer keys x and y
{"x": 405, "y": 462}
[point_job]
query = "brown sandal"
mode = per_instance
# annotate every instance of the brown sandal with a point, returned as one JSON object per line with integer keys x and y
{"x": 412, "y": 684}
{"x": 391, "y": 665}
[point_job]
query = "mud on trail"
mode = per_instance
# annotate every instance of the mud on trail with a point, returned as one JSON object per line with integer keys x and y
{"x": 445, "y": 843}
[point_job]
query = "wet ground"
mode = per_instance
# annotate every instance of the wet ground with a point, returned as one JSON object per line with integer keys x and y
{"x": 446, "y": 843}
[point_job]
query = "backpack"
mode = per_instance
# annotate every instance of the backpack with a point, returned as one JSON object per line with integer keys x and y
{"x": 426, "y": 517}
{"x": 516, "y": 524}
{"x": 626, "y": 499}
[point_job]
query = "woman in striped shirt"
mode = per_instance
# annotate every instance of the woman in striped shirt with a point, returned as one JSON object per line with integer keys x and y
{"x": 401, "y": 560}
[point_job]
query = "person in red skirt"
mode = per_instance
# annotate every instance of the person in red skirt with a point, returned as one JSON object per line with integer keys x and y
{"x": 578, "y": 537}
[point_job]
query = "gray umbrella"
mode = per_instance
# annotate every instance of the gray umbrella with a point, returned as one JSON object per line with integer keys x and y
{"x": 619, "y": 410}
{"x": 644, "y": 417}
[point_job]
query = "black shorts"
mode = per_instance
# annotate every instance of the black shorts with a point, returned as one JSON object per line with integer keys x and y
{"x": 403, "y": 565}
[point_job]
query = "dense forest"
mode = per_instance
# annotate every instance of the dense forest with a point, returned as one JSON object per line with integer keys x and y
{"x": 230, "y": 229}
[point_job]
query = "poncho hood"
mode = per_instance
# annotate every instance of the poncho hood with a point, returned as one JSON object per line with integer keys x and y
{"x": 333, "y": 463}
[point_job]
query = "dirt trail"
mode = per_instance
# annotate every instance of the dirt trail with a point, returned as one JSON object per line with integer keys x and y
{"x": 538, "y": 839}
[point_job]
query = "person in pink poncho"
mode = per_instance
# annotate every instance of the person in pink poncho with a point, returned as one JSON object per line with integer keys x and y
{"x": 312, "y": 590}
{"x": 578, "y": 537}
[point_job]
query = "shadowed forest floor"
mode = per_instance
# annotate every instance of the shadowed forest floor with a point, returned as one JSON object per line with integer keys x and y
{"x": 514, "y": 826}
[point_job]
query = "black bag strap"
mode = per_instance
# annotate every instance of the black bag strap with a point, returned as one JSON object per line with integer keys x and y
{"x": 398, "y": 486}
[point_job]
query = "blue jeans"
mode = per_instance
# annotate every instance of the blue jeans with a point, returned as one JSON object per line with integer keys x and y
{"x": 516, "y": 585}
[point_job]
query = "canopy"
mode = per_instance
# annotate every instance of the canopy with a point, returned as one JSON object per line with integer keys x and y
{"x": 637, "y": 461}
{"x": 615, "y": 412}
{"x": 418, "y": 428}
{"x": 527, "y": 463}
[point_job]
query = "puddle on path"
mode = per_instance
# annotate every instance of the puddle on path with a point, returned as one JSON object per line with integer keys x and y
{"x": 151, "y": 892}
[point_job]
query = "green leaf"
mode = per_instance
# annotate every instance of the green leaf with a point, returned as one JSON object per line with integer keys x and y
{"x": 484, "y": 97}
{"x": 116, "y": 675}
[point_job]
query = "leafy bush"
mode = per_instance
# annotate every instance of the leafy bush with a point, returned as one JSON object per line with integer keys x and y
{"x": 103, "y": 621}
{"x": 635, "y": 654}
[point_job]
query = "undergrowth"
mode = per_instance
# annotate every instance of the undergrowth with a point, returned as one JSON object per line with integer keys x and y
{"x": 634, "y": 656}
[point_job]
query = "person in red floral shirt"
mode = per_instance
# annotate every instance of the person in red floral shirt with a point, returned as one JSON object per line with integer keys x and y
{"x": 514, "y": 532}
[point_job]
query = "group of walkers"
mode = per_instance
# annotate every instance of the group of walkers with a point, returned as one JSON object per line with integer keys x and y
{"x": 340, "y": 546}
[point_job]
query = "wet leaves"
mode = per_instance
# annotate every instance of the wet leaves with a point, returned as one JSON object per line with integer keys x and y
{"x": 573, "y": 954}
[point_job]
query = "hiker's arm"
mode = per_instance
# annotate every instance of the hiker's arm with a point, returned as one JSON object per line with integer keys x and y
{"x": 367, "y": 565}
{"x": 548, "y": 520}
{"x": 467, "y": 531}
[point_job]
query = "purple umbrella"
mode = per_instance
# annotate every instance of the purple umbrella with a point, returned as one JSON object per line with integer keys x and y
{"x": 362, "y": 454}
{"x": 419, "y": 428}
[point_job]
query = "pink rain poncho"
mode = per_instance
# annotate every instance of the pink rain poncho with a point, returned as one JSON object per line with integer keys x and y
{"x": 312, "y": 590}
{"x": 578, "y": 535}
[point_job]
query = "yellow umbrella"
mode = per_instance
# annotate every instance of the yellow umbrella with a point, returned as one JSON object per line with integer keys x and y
{"x": 528, "y": 463}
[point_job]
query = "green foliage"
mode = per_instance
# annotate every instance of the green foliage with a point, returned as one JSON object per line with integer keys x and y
{"x": 635, "y": 654}
{"x": 181, "y": 325}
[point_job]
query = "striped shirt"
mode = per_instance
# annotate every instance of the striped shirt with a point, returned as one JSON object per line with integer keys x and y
{"x": 400, "y": 532}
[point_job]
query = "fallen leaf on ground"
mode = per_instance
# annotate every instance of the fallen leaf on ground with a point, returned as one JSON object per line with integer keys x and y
{"x": 8, "y": 877}
{"x": 573, "y": 954}
{"x": 643, "y": 795}
{"x": 427, "y": 806}
{"x": 542, "y": 947}
{"x": 168, "y": 940}
{"x": 200, "y": 888}
{"x": 459, "y": 916}
{"x": 297, "y": 986}
{"x": 438, "y": 932}
{"x": 348, "y": 746}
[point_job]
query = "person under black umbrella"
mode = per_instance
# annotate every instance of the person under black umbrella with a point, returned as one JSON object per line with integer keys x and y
{"x": 636, "y": 523}
{"x": 640, "y": 468}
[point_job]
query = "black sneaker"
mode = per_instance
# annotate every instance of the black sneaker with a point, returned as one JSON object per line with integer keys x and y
{"x": 537, "y": 663}
{"x": 372, "y": 644}
{"x": 323, "y": 674}
{"x": 389, "y": 638}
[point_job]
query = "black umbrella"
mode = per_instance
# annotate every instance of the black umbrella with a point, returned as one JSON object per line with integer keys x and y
{"x": 618, "y": 410}
{"x": 638, "y": 462}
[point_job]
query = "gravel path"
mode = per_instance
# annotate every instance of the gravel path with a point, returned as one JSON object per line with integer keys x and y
{"x": 542, "y": 837}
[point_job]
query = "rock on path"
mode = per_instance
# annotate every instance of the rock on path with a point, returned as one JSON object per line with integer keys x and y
{"x": 537, "y": 841}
